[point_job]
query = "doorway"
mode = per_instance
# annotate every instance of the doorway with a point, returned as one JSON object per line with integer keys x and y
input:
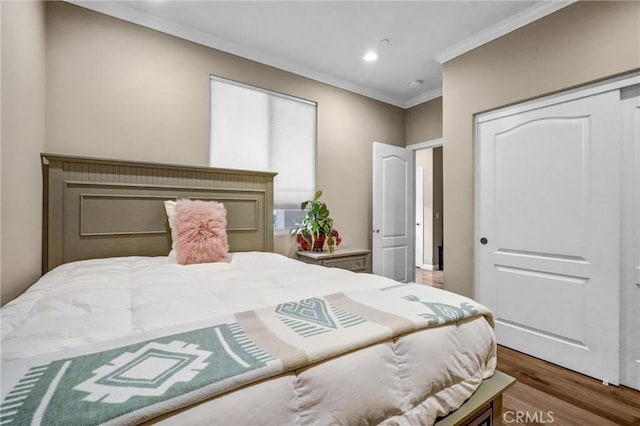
{"x": 429, "y": 213}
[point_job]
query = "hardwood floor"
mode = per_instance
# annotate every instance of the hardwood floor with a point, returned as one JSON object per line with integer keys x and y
{"x": 572, "y": 398}
{"x": 430, "y": 278}
{"x": 546, "y": 394}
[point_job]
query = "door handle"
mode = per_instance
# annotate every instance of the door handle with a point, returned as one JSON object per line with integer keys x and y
{"x": 483, "y": 241}
{"x": 377, "y": 231}
{"x": 418, "y": 224}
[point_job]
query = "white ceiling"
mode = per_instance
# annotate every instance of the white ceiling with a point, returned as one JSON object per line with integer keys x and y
{"x": 326, "y": 40}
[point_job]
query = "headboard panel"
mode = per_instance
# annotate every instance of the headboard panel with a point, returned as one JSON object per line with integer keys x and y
{"x": 97, "y": 208}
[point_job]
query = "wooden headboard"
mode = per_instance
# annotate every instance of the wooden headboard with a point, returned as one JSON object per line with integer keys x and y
{"x": 95, "y": 208}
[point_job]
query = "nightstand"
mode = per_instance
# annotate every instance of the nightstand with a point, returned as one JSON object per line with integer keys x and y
{"x": 356, "y": 260}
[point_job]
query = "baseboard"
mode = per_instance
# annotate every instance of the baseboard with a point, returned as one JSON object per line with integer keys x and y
{"x": 429, "y": 267}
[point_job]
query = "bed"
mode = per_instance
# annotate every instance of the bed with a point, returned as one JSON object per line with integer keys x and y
{"x": 117, "y": 332}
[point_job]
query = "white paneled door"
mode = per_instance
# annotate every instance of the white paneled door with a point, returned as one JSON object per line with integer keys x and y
{"x": 393, "y": 212}
{"x": 548, "y": 231}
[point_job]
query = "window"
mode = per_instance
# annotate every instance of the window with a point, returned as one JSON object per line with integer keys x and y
{"x": 256, "y": 129}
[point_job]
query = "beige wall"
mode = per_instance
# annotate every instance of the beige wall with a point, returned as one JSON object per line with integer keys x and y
{"x": 118, "y": 90}
{"x": 581, "y": 43}
{"x": 423, "y": 122}
{"x": 23, "y": 119}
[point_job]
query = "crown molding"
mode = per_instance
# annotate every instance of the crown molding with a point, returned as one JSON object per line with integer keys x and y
{"x": 129, "y": 14}
{"x": 518, "y": 20}
{"x": 424, "y": 97}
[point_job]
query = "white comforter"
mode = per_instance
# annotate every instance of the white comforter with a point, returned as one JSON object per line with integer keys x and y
{"x": 96, "y": 300}
{"x": 410, "y": 380}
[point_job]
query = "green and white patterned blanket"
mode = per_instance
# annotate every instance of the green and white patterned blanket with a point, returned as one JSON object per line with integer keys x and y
{"x": 149, "y": 374}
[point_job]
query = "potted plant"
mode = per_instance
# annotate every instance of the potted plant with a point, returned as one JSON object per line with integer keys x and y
{"x": 316, "y": 227}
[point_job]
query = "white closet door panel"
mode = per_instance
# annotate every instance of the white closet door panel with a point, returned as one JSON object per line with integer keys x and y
{"x": 548, "y": 206}
{"x": 394, "y": 177}
{"x": 630, "y": 318}
{"x": 531, "y": 160}
{"x": 527, "y": 285}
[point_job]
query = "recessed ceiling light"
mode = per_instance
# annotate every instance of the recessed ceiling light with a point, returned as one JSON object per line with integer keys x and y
{"x": 371, "y": 56}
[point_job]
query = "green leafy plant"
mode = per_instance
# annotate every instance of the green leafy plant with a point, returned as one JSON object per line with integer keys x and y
{"x": 316, "y": 227}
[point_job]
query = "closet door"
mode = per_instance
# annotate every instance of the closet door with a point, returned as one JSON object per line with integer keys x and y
{"x": 630, "y": 291}
{"x": 548, "y": 231}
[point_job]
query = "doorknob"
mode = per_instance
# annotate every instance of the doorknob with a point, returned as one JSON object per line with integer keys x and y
{"x": 483, "y": 241}
{"x": 377, "y": 231}
{"x": 418, "y": 224}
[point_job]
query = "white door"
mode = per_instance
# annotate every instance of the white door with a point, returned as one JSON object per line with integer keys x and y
{"x": 419, "y": 217}
{"x": 630, "y": 291}
{"x": 393, "y": 211}
{"x": 548, "y": 231}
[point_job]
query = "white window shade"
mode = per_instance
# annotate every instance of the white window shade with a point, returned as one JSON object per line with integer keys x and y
{"x": 259, "y": 130}
{"x": 293, "y": 133}
{"x": 239, "y": 128}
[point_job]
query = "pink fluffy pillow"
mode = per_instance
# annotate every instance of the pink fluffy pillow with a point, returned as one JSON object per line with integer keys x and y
{"x": 201, "y": 232}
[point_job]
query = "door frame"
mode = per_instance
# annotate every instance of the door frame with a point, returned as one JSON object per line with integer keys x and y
{"x": 559, "y": 97}
{"x": 432, "y": 143}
